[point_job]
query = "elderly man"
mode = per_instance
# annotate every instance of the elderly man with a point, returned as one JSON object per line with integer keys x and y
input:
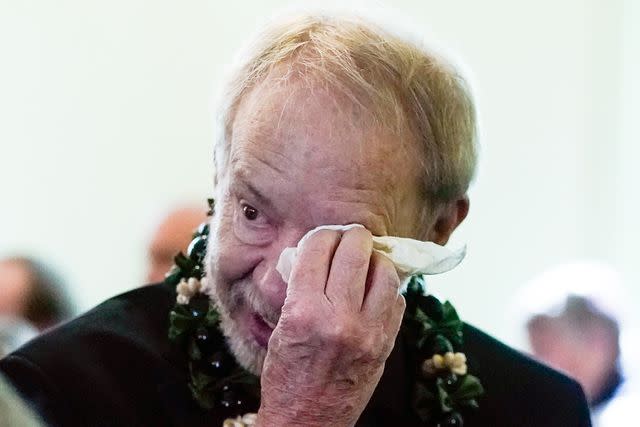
{"x": 328, "y": 121}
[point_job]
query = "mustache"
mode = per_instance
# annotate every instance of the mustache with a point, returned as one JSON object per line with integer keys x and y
{"x": 244, "y": 292}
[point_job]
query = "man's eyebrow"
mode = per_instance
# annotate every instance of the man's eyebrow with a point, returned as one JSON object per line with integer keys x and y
{"x": 247, "y": 186}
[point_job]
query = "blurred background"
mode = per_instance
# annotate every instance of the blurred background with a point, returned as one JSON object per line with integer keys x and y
{"x": 106, "y": 124}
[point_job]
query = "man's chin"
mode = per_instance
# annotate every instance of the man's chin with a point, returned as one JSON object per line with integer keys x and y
{"x": 246, "y": 332}
{"x": 248, "y": 352}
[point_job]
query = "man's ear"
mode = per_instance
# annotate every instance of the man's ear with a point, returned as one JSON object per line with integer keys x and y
{"x": 449, "y": 216}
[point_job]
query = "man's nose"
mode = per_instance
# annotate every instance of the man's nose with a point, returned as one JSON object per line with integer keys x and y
{"x": 269, "y": 281}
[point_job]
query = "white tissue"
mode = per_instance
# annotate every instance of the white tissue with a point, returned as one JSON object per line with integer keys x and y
{"x": 408, "y": 255}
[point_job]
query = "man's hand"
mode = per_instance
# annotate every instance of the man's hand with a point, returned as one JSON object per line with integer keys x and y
{"x": 338, "y": 326}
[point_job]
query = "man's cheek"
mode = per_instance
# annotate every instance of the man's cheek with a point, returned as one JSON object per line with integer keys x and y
{"x": 233, "y": 259}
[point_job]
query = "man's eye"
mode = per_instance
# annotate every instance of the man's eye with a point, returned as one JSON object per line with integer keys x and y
{"x": 251, "y": 217}
{"x": 251, "y": 226}
{"x": 250, "y": 212}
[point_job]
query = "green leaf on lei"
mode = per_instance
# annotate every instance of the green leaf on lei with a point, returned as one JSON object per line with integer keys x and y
{"x": 181, "y": 322}
{"x": 469, "y": 389}
{"x": 212, "y": 318}
{"x": 193, "y": 351}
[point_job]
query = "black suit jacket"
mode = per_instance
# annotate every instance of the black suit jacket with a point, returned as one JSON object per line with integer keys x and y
{"x": 114, "y": 366}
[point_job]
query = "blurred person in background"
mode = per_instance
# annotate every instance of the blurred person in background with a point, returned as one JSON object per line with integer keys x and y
{"x": 32, "y": 291}
{"x": 172, "y": 235}
{"x": 32, "y": 299}
{"x": 574, "y": 325}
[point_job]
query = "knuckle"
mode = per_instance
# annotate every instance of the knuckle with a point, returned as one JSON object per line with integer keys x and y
{"x": 320, "y": 240}
{"x": 343, "y": 334}
{"x": 378, "y": 347}
{"x": 312, "y": 250}
{"x": 359, "y": 232}
{"x": 354, "y": 260}
{"x": 386, "y": 271}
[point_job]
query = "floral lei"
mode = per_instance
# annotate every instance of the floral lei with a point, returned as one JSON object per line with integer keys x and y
{"x": 442, "y": 389}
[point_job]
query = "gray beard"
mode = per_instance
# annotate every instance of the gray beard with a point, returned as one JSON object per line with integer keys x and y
{"x": 232, "y": 298}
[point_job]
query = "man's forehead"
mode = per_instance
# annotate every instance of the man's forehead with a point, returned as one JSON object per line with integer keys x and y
{"x": 302, "y": 123}
{"x": 273, "y": 109}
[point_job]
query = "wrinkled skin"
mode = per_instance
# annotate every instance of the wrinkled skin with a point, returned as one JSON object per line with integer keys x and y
{"x": 300, "y": 158}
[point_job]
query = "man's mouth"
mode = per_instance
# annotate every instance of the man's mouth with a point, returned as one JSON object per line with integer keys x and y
{"x": 261, "y": 329}
{"x": 269, "y": 324}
